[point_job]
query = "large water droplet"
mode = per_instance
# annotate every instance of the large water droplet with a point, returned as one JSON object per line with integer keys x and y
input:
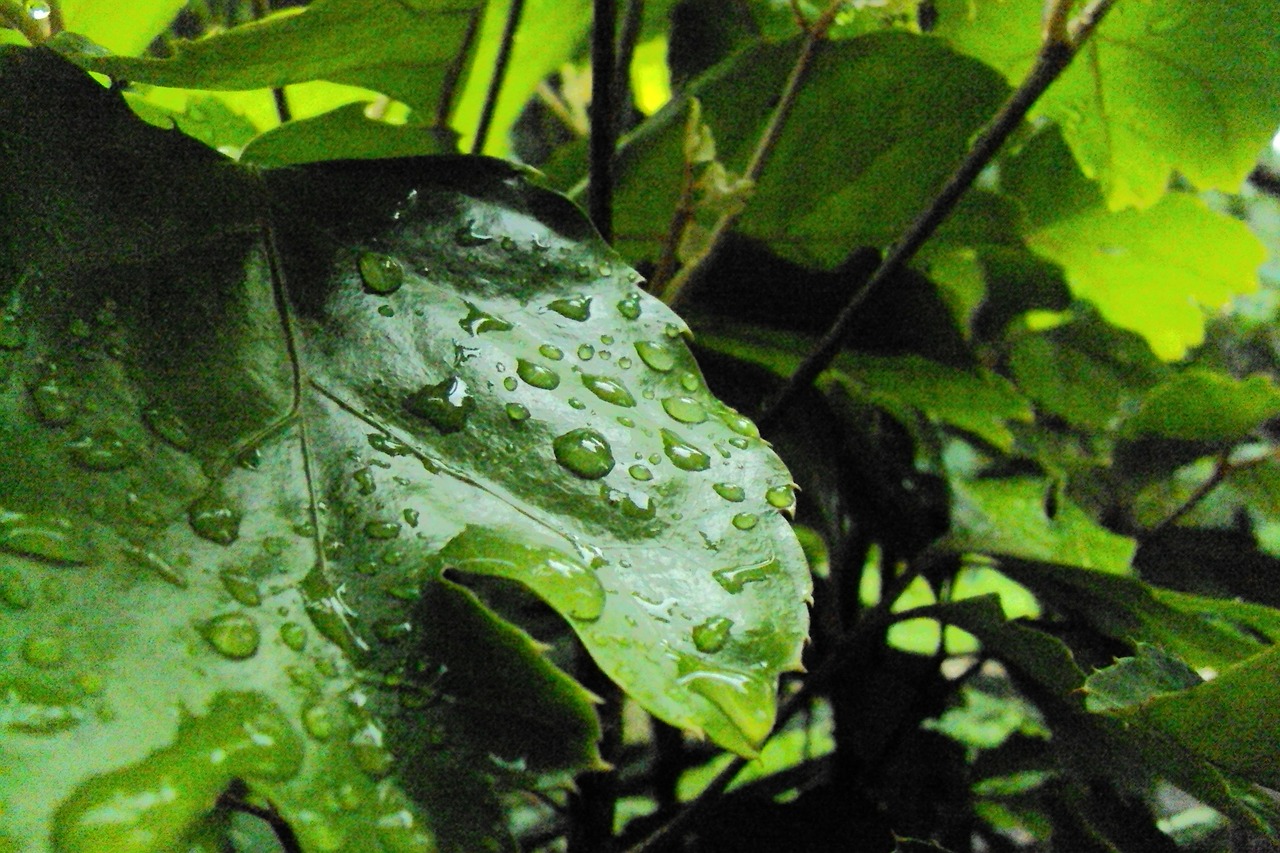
{"x": 734, "y": 578}
{"x": 537, "y": 375}
{"x": 101, "y": 450}
{"x": 232, "y": 635}
{"x": 684, "y": 409}
{"x": 164, "y": 423}
{"x": 586, "y": 352}
{"x": 781, "y": 497}
{"x": 639, "y": 472}
{"x": 745, "y": 520}
{"x": 55, "y": 405}
{"x": 608, "y": 389}
{"x": 730, "y": 492}
{"x": 517, "y": 413}
{"x": 553, "y": 353}
{"x": 382, "y": 274}
{"x": 657, "y": 355}
{"x": 585, "y": 452}
{"x": 52, "y": 537}
{"x": 478, "y": 322}
{"x": 711, "y": 636}
{"x": 365, "y": 483}
{"x": 369, "y": 753}
{"x": 294, "y": 636}
{"x": 740, "y": 424}
{"x": 574, "y": 307}
{"x": 683, "y": 454}
{"x": 510, "y": 383}
{"x": 213, "y": 517}
{"x": 155, "y": 564}
{"x": 629, "y": 306}
{"x": 445, "y": 405}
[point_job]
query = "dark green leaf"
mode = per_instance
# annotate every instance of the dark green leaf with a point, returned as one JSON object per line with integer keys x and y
{"x": 1202, "y": 405}
{"x": 1131, "y": 682}
{"x": 345, "y": 134}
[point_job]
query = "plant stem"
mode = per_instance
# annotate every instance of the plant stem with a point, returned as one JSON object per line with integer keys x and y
{"x": 262, "y": 8}
{"x": 678, "y": 289}
{"x": 514, "y": 13}
{"x": 628, "y": 35}
{"x": 13, "y": 14}
{"x": 604, "y": 124}
{"x": 1053, "y": 58}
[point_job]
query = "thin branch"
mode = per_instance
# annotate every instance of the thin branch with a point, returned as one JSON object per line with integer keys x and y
{"x": 678, "y": 289}
{"x": 57, "y": 23}
{"x": 500, "y": 65}
{"x": 1052, "y": 60}
{"x": 628, "y": 36}
{"x": 262, "y": 8}
{"x": 13, "y": 14}
{"x": 604, "y": 123}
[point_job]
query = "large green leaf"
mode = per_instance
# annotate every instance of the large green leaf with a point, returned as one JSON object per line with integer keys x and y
{"x": 889, "y": 109}
{"x": 255, "y": 425}
{"x": 409, "y": 51}
{"x": 121, "y": 28}
{"x": 1161, "y": 87}
{"x": 1152, "y": 271}
{"x": 1203, "y": 405}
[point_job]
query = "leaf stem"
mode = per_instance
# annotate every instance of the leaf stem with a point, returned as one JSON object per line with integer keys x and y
{"x": 1053, "y": 58}
{"x": 678, "y": 289}
{"x": 514, "y": 13}
{"x": 262, "y": 8}
{"x": 604, "y": 123}
{"x": 14, "y": 15}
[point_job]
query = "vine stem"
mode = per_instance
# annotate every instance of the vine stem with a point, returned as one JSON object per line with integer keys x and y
{"x": 1058, "y": 48}
{"x": 678, "y": 288}
{"x": 514, "y": 13}
{"x": 877, "y": 619}
{"x": 604, "y": 123}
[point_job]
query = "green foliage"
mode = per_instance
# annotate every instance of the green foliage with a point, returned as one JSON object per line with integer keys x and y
{"x": 361, "y": 486}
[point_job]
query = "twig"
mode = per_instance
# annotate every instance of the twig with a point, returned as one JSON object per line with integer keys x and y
{"x": 262, "y": 8}
{"x": 628, "y": 36}
{"x": 1051, "y": 61}
{"x": 875, "y": 620}
{"x": 684, "y": 210}
{"x": 500, "y": 65}
{"x": 604, "y": 124}
{"x": 14, "y": 15}
{"x": 678, "y": 289}
{"x": 56, "y": 22}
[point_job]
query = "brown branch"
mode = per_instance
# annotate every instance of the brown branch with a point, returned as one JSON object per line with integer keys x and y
{"x": 1051, "y": 61}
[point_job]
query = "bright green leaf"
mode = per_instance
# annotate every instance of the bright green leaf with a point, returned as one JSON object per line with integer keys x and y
{"x": 123, "y": 28}
{"x": 1162, "y": 86}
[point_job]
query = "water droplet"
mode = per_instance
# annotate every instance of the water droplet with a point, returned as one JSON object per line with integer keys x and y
{"x": 689, "y": 381}
{"x": 608, "y": 389}
{"x": 745, "y": 520}
{"x": 781, "y": 497}
{"x": 164, "y": 423}
{"x": 445, "y": 405}
{"x": 586, "y": 352}
{"x": 639, "y": 472}
{"x": 551, "y": 352}
{"x": 537, "y": 375}
{"x": 740, "y": 424}
{"x": 38, "y": 10}
{"x": 52, "y": 537}
{"x": 517, "y": 412}
{"x": 241, "y": 587}
{"x": 468, "y": 236}
{"x": 155, "y": 564}
{"x": 711, "y": 636}
{"x": 382, "y": 274}
{"x": 585, "y": 452}
{"x": 365, "y": 483}
{"x": 626, "y": 421}
{"x": 369, "y": 753}
{"x": 101, "y": 450}
{"x": 510, "y": 383}
{"x": 734, "y": 578}
{"x": 382, "y": 529}
{"x": 410, "y": 517}
{"x": 232, "y": 635}
{"x": 392, "y": 630}
{"x": 657, "y": 355}
{"x": 740, "y": 443}
{"x": 399, "y": 829}
{"x": 686, "y": 410}
{"x": 637, "y": 505}
{"x": 682, "y": 454}
{"x": 748, "y": 703}
{"x": 384, "y": 443}
{"x": 629, "y": 306}
{"x": 478, "y": 322}
{"x": 671, "y": 330}
{"x": 15, "y": 591}
{"x": 294, "y": 636}
{"x": 574, "y": 308}
{"x": 575, "y": 403}
{"x": 44, "y": 652}
{"x": 654, "y": 458}
{"x": 212, "y": 517}
{"x": 318, "y": 720}
{"x": 730, "y": 492}
{"x": 55, "y": 405}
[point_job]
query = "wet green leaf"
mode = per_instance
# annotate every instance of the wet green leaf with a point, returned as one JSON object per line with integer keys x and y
{"x": 238, "y": 461}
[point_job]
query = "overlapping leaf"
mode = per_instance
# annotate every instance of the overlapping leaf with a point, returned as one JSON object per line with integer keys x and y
{"x": 238, "y": 464}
